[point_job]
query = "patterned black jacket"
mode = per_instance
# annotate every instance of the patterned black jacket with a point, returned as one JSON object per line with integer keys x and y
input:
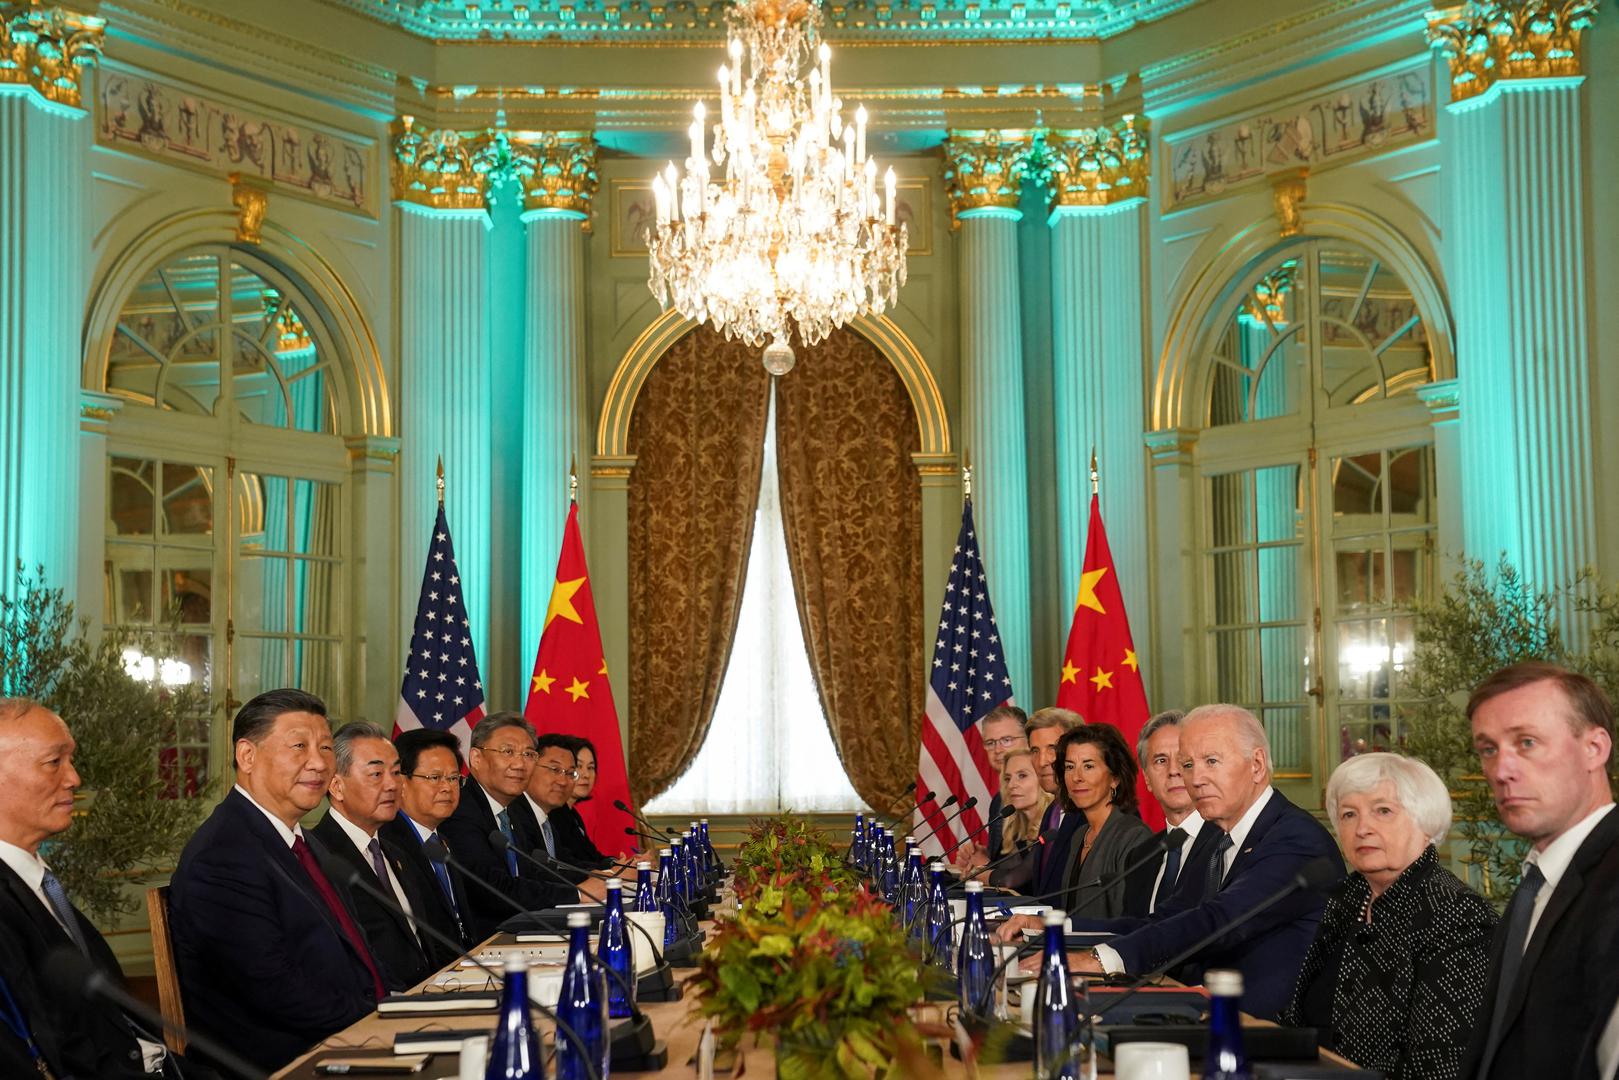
{"x": 1409, "y": 987}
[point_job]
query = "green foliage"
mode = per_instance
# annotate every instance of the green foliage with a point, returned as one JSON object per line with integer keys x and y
{"x": 792, "y": 852}
{"x": 1482, "y": 622}
{"x": 133, "y": 825}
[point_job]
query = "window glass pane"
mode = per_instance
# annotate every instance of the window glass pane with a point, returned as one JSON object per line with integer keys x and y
{"x": 315, "y": 606}
{"x": 1357, "y": 490}
{"x": 1233, "y": 587}
{"x": 130, "y": 497}
{"x": 1276, "y": 503}
{"x": 1360, "y": 578}
{"x": 1283, "y": 662}
{"x": 1410, "y": 482}
{"x": 1230, "y": 518}
{"x": 1280, "y": 598}
{"x": 188, "y": 590}
{"x": 1289, "y": 730}
{"x": 1229, "y": 397}
{"x": 261, "y": 594}
{"x": 188, "y": 500}
{"x": 166, "y": 341}
{"x": 314, "y": 666}
{"x": 1363, "y": 659}
{"x": 129, "y": 584}
{"x": 1236, "y": 668}
{"x": 312, "y": 529}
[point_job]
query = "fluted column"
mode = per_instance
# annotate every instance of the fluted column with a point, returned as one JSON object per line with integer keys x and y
{"x": 444, "y": 362}
{"x": 1098, "y": 185}
{"x": 984, "y": 175}
{"x": 44, "y": 278}
{"x": 1515, "y": 262}
{"x": 557, "y": 211}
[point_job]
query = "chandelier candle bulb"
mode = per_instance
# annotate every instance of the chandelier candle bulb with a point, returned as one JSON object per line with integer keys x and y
{"x": 889, "y": 184}
{"x": 860, "y": 133}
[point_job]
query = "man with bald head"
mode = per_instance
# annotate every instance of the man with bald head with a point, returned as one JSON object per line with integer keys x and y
{"x": 71, "y": 1037}
{"x": 1261, "y": 842}
{"x": 271, "y": 956}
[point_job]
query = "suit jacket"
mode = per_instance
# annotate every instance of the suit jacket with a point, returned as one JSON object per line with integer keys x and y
{"x": 995, "y": 828}
{"x": 467, "y": 833}
{"x": 1187, "y": 892}
{"x": 81, "y": 1039}
{"x": 1267, "y": 949}
{"x": 1566, "y": 984}
{"x": 1402, "y": 994}
{"x": 427, "y": 899}
{"x": 402, "y": 960}
{"x": 1092, "y": 887}
{"x": 264, "y": 966}
{"x": 573, "y": 840}
{"x": 1051, "y": 866}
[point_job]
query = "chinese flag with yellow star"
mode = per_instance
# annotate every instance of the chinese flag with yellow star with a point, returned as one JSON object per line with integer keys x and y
{"x": 569, "y": 694}
{"x": 1101, "y": 679}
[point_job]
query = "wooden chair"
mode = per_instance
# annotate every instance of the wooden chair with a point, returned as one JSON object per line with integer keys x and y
{"x": 168, "y": 975}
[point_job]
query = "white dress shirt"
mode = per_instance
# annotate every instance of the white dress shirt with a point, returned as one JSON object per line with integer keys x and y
{"x": 1192, "y": 823}
{"x": 541, "y": 816}
{"x": 1553, "y": 861}
{"x": 362, "y": 841}
{"x": 288, "y": 835}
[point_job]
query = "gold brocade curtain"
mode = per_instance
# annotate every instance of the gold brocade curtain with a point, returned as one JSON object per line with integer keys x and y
{"x": 851, "y": 504}
{"x": 698, "y": 435}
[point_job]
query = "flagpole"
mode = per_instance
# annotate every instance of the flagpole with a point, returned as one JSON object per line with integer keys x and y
{"x": 966, "y": 476}
{"x": 1094, "y": 475}
{"x": 441, "y": 479}
{"x": 573, "y": 481}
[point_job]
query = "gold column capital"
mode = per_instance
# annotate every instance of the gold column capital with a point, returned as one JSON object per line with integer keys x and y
{"x": 985, "y": 169}
{"x": 44, "y": 46}
{"x": 1488, "y": 41}
{"x": 434, "y": 169}
{"x": 558, "y": 172}
{"x": 1097, "y": 166}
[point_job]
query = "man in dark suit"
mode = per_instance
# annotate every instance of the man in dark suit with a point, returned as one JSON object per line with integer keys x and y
{"x": 502, "y": 758}
{"x": 270, "y": 953}
{"x": 1544, "y": 737}
{"x": 73, "y": 1036}
{"x": 430, "y": 790}
{"x": 1262, "y": 841}
{"x": 364, "y": 796}
{"x": 1002, "y": 730}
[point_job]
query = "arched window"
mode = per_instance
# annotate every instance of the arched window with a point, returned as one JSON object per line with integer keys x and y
{"x": 1317, "y": 492}
{"x": 227, "y": 484}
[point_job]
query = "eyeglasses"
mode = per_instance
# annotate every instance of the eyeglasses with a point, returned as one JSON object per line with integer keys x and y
{"x": 1005, "y": 742}
{"x": 571, "y": 774}
{"x": 435, "y": 779}
{"x": 528, "y": 756}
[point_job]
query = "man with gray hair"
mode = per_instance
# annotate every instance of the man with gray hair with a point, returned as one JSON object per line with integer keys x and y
{"x": 364, "y": 796}
{"x": 1261, "y": 841}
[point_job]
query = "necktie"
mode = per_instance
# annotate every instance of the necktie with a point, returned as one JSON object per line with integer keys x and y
{"x": 550, "y": 838}
{"x": 1519, "y": 910}
{"x": 505, "y": 820}
{"x": 1172, "y": 869}
{"x": 52, "y": 888}
{"x": 334, "y": 903}
{"x": 1217, "y": 865}
{"x": 443, "y": 876}
{"x": 377, "y": 864}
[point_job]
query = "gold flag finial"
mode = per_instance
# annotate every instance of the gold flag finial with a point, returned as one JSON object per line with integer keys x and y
{"x": 573, "y": 480}
{"x": 1094, "y": 475}
{"x": 966, "y": 476}
{"x": 441, "y": 479}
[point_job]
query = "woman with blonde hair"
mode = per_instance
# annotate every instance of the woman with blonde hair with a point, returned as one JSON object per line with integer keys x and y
{"x": 1021, "y": 790}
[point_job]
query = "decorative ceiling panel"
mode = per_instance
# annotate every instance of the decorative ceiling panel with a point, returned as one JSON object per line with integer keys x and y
{"x": 657, "y": 21}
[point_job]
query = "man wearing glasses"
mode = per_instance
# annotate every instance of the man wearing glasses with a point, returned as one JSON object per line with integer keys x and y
{"x": 1003, "y": 733}
{"x": 502, "y": 760}
{"x": 431, "y": 790}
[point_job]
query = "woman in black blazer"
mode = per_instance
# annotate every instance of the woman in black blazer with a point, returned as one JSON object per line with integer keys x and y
{"x": 1394, "y": 979}
{"x": 1097, "y": 772}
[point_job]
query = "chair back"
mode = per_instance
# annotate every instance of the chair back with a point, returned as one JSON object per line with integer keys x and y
{"x": 168, "y": 975}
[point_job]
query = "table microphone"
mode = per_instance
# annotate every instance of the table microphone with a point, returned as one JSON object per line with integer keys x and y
{"x": 901, "y": 797}
{"x": 971, "y": 802}
{"x": 70, "y": 974}
{"x": 1006, "y": 812}
{"x": 500, "y": 840}
{"x": 1161, "y": 842}
{"x": 437, "y": 851}
{"x": 1022, "y": 847}
{"x": 1316, "y": 875}
{"x": 1168, "y": 840}
{"x": 927, "y": 797}
{"x": 655, "y": 841}
{"x": 618, "y": 804}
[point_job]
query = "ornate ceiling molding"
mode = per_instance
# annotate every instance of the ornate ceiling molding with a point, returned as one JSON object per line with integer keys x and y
{"x": 46, "y": 48}
{"x": 1488, "y": 41}
{"x": 447, "y": 169}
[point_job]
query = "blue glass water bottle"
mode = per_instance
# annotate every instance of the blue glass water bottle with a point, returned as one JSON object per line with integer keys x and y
{"x": 646, "y": 896}
{"x": 975, "y": 959}
{"x": 514, "y": 1054}
{"x": 677, "y": 866}
{"x": 1056, "y": 1014}
{"x": 1225, "y": 1059}
{"x": 582, "y": 1006}
{"x": 613, "y": 950}
{"x": 695, "y": 876}
{"x": 668, "y": 899}
{"x": 938, "y": 917}
{"x": 890, "y": 868}
{"x": 857, "y": 843}
{"x": 709, "y": 853}
{"x": 913, "y": 889}
{"x": 873, "y": 846}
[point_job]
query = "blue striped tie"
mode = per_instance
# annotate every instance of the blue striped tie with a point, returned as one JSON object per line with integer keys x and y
{"x": 505, "y": 820}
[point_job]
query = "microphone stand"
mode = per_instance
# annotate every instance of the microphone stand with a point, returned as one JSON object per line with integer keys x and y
{"x": 618, "y": 804}
{"x": 966, "y": 806}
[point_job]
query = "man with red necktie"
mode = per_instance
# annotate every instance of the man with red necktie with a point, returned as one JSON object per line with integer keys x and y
{"x": 270, "y": 952}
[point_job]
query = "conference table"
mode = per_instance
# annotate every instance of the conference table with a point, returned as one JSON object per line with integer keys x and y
{"x": 677, "y": 1024}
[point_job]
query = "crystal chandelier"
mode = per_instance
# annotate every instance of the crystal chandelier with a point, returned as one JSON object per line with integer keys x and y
{"x": 778, "y": 226}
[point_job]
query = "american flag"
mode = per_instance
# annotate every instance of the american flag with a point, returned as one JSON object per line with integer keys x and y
{"x": 442, "y": 688}
{"x": 967, "y": 679}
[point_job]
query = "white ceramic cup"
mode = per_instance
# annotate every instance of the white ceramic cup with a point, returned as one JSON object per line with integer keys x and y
{"x": 1151, "y": 1061}
{"x": 641, "y": 948}
{"x": 474, "y": 1059}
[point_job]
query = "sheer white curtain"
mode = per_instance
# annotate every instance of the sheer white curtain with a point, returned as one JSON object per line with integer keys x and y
{"x": 769, "y": 747}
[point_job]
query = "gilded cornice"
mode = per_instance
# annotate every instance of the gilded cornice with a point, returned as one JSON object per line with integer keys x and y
{"x": 454, "y": 170}
{"x": 1488, "y": 41}
{"x": 1097, "y": 166}
{"x": 44, "y": 46}
{"x": 985, "y": 169}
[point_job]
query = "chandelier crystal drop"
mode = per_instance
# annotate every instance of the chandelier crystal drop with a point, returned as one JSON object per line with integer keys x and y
{"x": 776, "y": 225}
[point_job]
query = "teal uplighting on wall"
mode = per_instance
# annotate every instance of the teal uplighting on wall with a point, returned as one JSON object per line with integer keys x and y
{"x": 43, "y": 280}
